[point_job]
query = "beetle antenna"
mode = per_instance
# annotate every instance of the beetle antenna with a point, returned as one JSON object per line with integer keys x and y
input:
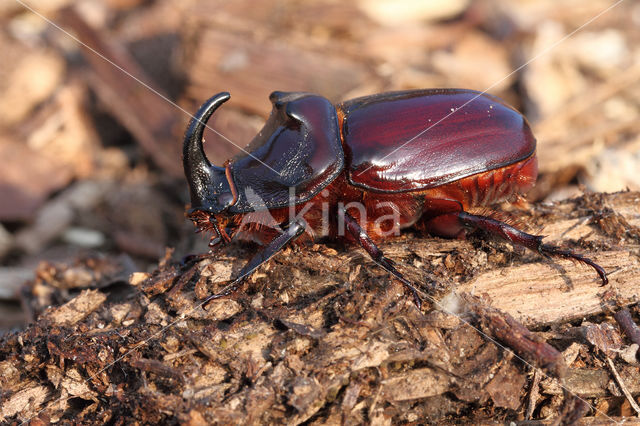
{"x": 197, "y": 167}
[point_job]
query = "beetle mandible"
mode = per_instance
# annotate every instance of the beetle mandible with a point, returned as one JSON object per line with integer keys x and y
{"x": 312, "y": 160}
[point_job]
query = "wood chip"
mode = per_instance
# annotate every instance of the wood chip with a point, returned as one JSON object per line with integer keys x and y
{"x": 418, "y": 383}
{"x": 25, "y": 402}
{"x": 605, "y": 338}
{"x": 76, "y": 309}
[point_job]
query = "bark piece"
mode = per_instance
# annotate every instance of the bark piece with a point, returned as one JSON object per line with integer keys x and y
{"x": 77, "y": 309}
{"x": 148, "y": 114}
{"x": 605, "y": 338}
{"x": 416, "y": 384}
{"x": 590, "y": 383}
{"x": 506, "y": 387}
{"x": 25, "y": 402}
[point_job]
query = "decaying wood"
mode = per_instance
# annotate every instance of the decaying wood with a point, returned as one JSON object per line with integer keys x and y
{"x": 542, "y": 293}
{"x": 319, "y": 335}
{"x": 144, "y": 111}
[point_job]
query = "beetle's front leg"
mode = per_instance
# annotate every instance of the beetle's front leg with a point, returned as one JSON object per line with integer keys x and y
{"x": 293, "y": 231}
{"x": 205, "y": 222}
{"x": 532, "y": 242}
{"x": 359, "y": 234}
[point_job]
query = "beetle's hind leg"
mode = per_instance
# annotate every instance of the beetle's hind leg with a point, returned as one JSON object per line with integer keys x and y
{"x": 532, "y": 242}
{"x": 359, "y": 234}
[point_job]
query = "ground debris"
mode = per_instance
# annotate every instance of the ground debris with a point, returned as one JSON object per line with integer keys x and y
{"x": 341, "y": 345}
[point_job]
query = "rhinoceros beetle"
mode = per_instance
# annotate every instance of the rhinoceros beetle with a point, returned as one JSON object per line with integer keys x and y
{"x": 364, "y": 169}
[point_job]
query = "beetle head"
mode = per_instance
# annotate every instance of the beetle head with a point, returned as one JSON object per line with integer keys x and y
{"x": 212, "y": 191}
{"x": 208, "y": 184}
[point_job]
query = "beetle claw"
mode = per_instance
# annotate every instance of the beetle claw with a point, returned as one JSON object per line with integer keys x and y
{"x": 214, "y": 242}
{"x": 548, "y": 250}
{"x": 416, "y": 297}
{"x": 227, "y": 291}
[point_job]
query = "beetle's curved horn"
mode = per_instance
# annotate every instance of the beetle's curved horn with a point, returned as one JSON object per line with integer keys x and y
{"x": 197, "y": 167}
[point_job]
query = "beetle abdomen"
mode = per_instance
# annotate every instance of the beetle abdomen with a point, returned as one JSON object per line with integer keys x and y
{"x": 415, "y": 140}
{"x": 487, "y": 188}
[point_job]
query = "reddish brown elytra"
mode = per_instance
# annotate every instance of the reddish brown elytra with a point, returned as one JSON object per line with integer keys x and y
{"x": 364, "y": 169}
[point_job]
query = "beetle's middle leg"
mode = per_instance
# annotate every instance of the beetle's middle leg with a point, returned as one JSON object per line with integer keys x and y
{"x": 293, "y": 231}
{"x": 507, "y": 232}
{"x": 360, "y": 235}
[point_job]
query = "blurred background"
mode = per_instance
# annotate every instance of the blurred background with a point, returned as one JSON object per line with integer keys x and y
{"x": 90, "y": 136}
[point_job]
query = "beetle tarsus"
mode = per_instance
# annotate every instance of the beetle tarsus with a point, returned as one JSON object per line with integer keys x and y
{"x": 227, "y": 291}
{"x": 359, "y": 234}
{"x": 532, "y": 242}
{"x": 550, "y": 250}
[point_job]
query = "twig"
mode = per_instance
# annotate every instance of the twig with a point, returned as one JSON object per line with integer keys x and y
{"x": 623, "y": 387}
{"x": 630, "y": 328}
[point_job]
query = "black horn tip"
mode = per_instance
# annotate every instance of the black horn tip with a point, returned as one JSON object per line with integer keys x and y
{"x": 192, "y": 147}
{"x": 207, "y": 109}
